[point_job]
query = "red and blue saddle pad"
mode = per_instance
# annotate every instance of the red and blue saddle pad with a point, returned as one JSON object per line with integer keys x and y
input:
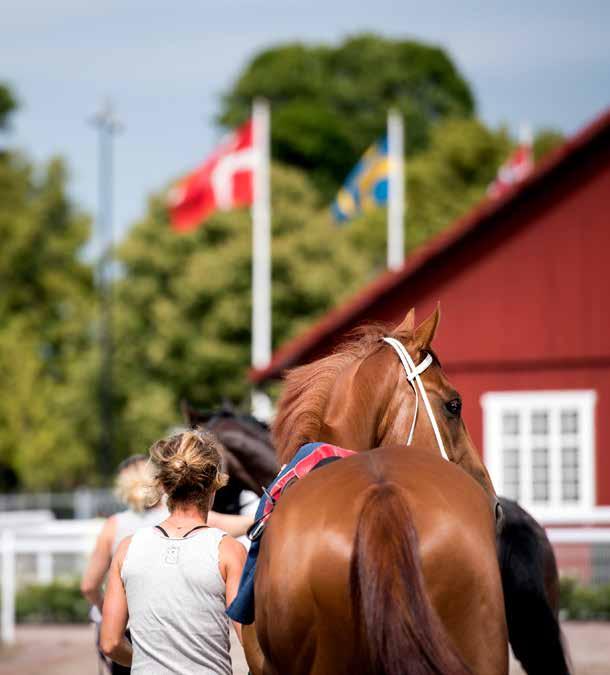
{"x": 307, "y": 458}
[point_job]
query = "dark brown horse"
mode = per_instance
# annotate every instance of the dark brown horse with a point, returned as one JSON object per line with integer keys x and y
{"x": 384, "y": 562}
{"x": 248, "y": 453}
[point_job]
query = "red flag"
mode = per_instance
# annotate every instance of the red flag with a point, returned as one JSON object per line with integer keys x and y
{"x": 223, "y": 182}
{"x": 514, "y": 170}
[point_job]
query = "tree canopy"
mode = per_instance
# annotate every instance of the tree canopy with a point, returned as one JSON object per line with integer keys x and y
{"x": 330, "y": 103}
{"x": 8, "y": 104}
{"x": 47, "y": 367}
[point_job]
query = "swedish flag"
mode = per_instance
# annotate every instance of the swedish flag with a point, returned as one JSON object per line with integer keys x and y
{"x": 366, "y": 185}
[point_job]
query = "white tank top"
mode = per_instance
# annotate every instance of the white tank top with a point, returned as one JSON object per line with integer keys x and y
{"x": 176, "y": 599}
{"x": 127, "y": 522}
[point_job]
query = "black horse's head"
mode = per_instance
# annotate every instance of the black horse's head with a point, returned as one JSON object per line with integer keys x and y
{"x": 249, "y": 455}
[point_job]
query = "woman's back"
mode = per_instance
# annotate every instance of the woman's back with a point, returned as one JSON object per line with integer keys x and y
{"x": 176, "y": 599}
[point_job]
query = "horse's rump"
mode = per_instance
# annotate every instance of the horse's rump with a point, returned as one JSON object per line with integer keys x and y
{"x": 326, "y": 540}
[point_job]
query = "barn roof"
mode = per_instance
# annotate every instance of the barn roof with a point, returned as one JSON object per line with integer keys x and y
{"x": 482, "y": 217}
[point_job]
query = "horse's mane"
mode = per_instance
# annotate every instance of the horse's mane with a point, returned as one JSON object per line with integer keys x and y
{"x": 306, "y": 390}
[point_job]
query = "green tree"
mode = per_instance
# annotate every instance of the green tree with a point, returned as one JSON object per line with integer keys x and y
{"x": 330, "y": 103}
{"x": 8, "y": 105}
{"x": 183, "y": 318}
{"x": 448, "y": 179}
{"x": 47, "y": 365}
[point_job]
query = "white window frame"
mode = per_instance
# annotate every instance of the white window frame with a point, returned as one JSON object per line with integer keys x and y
{"x": 494, "y": 404}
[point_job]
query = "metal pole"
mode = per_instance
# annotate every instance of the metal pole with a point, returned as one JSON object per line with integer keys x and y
{"x": 396, "y": 191}
{"x": 261, "y": 253}
{"x": 108, "y": 126}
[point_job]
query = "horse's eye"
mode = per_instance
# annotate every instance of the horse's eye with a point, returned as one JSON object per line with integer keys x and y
{"x": 454, "y": 407}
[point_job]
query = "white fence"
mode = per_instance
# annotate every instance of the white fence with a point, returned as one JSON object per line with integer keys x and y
{"x": 582, "y": 553}
{"x": 79, "y": 504}
{"x": 37, "y": 535}
{"x": 44, "y": 542}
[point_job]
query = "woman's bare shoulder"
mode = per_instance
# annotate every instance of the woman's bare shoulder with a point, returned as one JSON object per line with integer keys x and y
{"x": 230, "y": 548}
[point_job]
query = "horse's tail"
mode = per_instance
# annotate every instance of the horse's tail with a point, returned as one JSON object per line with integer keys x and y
{"x": 525, "y": 553}
{"x": 398, "y": 629}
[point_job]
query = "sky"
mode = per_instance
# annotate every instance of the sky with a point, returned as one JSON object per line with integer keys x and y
{"x": 165, "y": 65}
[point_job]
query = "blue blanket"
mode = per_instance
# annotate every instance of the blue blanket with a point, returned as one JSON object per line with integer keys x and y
{"x": 242, "y": 608}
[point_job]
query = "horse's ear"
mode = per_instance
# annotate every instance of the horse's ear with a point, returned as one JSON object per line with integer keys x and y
{"x": 407, "y": 325}
{"x": 424, "y": 333}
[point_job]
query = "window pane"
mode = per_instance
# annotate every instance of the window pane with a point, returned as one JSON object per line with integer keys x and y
{"x": 511, "y": 458}
{"x": 570, "y": 474}
{"x": 540, "y": 422}
{"x": 540, "y": 474}
{"x": 540, "y": 457}
{"x": 510, "y": 423}
{"x": 541, "y": 492}
{"x": 570, "y": 492}
{"x": 569, "y": 421}
{"x": 569, "y": 457}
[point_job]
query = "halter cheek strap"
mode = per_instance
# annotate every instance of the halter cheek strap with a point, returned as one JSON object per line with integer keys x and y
{"x": 413, "y": 373}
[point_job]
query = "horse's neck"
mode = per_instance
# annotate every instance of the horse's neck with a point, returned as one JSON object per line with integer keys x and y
{"x": 355, "y": 411}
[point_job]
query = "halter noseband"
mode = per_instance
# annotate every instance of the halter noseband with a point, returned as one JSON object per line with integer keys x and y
{"x": 413, "y": 372}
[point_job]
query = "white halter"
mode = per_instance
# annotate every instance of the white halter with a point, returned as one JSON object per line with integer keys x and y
{"x": 413, "y": 372}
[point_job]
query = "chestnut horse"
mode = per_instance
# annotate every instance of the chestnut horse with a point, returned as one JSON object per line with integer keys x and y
{"x": 384, "y": 562}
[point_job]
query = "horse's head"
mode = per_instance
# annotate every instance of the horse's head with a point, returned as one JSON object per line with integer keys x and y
{"x": 360, "y": 398}
{"x": 445, "y": 401}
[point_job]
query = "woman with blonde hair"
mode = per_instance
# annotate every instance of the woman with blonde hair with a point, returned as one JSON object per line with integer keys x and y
{"x": 135, "y": 488}
{"x": 172, "y": 582}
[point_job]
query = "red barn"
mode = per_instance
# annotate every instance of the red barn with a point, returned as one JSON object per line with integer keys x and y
{"x": 524, "y": 288}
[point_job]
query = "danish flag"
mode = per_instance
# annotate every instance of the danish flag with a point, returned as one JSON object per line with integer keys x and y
{"x": 223, "y": 182}
{"x": 514, "y": 170}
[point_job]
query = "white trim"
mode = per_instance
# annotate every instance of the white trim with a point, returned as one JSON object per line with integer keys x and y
{"x": 494, "y": 397}
{"x": 599, "y": 515}
{"x": 583, "y": 535}
{"x": 524, "y": 403}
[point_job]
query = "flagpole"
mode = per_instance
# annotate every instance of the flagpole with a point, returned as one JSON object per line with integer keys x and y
{"x": 261, "y": 254}
{"x": 526, "y": 135}
{"x": 396, "y": 191}
{"x": 108, "y": 126}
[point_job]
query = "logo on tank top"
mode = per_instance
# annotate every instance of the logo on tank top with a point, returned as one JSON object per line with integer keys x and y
{"x": 171, "y": 555}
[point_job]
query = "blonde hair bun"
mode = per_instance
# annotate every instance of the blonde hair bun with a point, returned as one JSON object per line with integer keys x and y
{"x": 188, "y": 466}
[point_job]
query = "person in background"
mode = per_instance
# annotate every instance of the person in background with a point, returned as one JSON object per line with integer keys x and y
{"x": 173, "y": 581}
{"x": 134, "y": 487}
